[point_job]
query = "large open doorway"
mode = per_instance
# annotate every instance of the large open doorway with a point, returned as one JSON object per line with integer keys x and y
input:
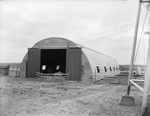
{"x": 53, "y": 60}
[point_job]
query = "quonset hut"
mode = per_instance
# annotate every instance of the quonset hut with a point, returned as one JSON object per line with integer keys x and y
{"x": 59, "y": 54}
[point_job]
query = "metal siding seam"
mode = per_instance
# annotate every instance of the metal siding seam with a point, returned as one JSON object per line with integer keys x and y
{"x": 33, "y": 62}
{"x": 77, "y": 57}
{"x": 67, "y": 62}
{"x": 79, "y": 76}
{"x": 79, "y": 65}
{"x": 73, "y": 63}
{"x": 36, "y": 62}
{"x": 70, "y": 68}
{"x": 30, "y": 61}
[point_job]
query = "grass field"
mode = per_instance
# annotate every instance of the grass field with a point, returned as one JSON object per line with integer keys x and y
{"x": 46, "y": 97}
{"x": 52, "y": 97}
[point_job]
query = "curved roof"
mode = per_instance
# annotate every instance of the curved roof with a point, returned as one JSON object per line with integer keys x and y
{"x": 94, "y": 58}
{"x": 53, "y": 42}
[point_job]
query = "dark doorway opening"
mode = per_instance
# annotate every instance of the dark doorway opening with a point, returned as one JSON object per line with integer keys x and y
{"x": 53, "y": 60}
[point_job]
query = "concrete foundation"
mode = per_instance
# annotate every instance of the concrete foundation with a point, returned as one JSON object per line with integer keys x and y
{"x": 127, "y": 100}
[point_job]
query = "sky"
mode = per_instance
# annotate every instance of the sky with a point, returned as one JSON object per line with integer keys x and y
{"x": 106, "y": 26}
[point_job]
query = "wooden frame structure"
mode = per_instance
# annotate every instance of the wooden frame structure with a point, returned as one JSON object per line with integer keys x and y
{"x": 53, "y": 75}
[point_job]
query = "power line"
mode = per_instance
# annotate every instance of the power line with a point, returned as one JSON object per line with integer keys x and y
{"x": 93, "y": 50}
{"x": 144, "y": 50}
{"x": 114, "y": 29}
{"x": 106, "y": 36}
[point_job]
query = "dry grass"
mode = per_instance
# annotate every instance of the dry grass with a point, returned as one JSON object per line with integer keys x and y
{"x": 32, "y": 97}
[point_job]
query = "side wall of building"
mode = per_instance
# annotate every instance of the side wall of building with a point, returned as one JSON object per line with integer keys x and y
{"x": 101, "y": 62}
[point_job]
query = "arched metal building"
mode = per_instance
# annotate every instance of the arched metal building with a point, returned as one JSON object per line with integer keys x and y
{"x": 59, "y": 54}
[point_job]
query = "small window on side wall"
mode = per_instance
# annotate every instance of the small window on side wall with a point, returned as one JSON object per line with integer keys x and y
{"x": 105, "y": 68}
{"x": 114, "y": 68}
{"x": 110, "y": 68}
{"x": 98, "y": 70}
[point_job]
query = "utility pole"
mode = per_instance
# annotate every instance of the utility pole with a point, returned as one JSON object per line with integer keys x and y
{"x": 147, "y": 80}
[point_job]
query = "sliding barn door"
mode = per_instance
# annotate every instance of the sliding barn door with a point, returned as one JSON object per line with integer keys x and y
{"x": 33, "y": 64}
{"x": 73, "y": 63}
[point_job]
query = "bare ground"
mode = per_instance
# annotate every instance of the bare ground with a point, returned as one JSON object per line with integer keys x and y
{"x": 32, "y": 97}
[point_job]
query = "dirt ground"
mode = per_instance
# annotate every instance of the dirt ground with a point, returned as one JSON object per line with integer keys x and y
{"x": 32, "y": 97}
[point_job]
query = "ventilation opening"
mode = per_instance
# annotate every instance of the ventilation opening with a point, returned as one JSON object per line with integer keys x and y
{"x": 53, "y": 60}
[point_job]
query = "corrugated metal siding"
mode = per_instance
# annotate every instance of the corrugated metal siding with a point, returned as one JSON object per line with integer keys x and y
{"x": 33, "y": 64}
{"x": 73, "y": 65}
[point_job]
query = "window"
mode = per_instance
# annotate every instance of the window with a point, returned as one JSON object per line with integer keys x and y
{"x": 43, "y": 67}
{"x": 98, "y": 70}
{"x": 105, "y": 68}
{"x": 114, "y": 68}
{"x": 57, "y": 67}
{"x": 110, "y": 68}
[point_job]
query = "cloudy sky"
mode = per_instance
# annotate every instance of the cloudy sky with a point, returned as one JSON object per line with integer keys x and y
{"x": 103, "y": 25}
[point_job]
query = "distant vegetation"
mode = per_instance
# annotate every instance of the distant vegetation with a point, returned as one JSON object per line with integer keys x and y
{"x": 127, "y": 67}
{"x": 6, "y": 64}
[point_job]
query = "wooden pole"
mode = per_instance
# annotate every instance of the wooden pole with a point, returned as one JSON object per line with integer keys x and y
{"x": 147, "y": 82}
{"x": 134, "y": 47}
